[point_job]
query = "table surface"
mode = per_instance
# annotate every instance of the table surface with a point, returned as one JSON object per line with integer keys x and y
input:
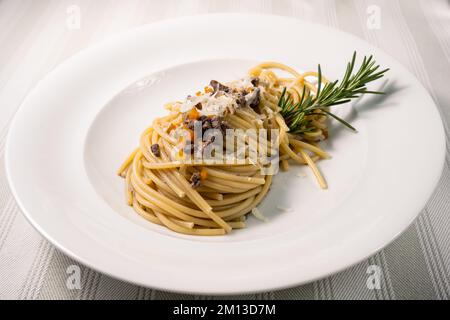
{"x": 36, "y": 36}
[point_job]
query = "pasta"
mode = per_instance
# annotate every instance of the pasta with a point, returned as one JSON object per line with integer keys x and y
{"x": 167, "y": 185}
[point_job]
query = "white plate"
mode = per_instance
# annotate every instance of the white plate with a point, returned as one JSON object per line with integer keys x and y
{"x": 70, "y": 135}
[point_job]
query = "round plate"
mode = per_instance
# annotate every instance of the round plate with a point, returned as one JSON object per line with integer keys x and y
{"x": 75, "y": 128}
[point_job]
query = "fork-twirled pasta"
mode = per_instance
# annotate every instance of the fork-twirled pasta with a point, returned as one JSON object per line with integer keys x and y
{"x": 161, "y": 188}
{"x": 167, "y": 185}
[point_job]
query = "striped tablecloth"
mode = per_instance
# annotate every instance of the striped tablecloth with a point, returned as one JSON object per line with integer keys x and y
{"x": 35, "y": 36}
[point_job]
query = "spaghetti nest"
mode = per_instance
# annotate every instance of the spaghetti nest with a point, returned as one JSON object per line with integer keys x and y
{"x": 168, "y": 186}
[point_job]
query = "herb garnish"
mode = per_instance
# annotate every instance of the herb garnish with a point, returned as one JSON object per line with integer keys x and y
{"x": 351, "y": 86}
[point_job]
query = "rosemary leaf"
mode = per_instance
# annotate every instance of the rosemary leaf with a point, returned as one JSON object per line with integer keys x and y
{"x": 352, "y": 85}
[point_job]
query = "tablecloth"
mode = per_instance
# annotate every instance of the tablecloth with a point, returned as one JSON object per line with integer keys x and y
{"x": 36, "y": 36}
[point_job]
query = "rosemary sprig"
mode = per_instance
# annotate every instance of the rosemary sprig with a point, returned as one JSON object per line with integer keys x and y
{"x": 352, "y": 85}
